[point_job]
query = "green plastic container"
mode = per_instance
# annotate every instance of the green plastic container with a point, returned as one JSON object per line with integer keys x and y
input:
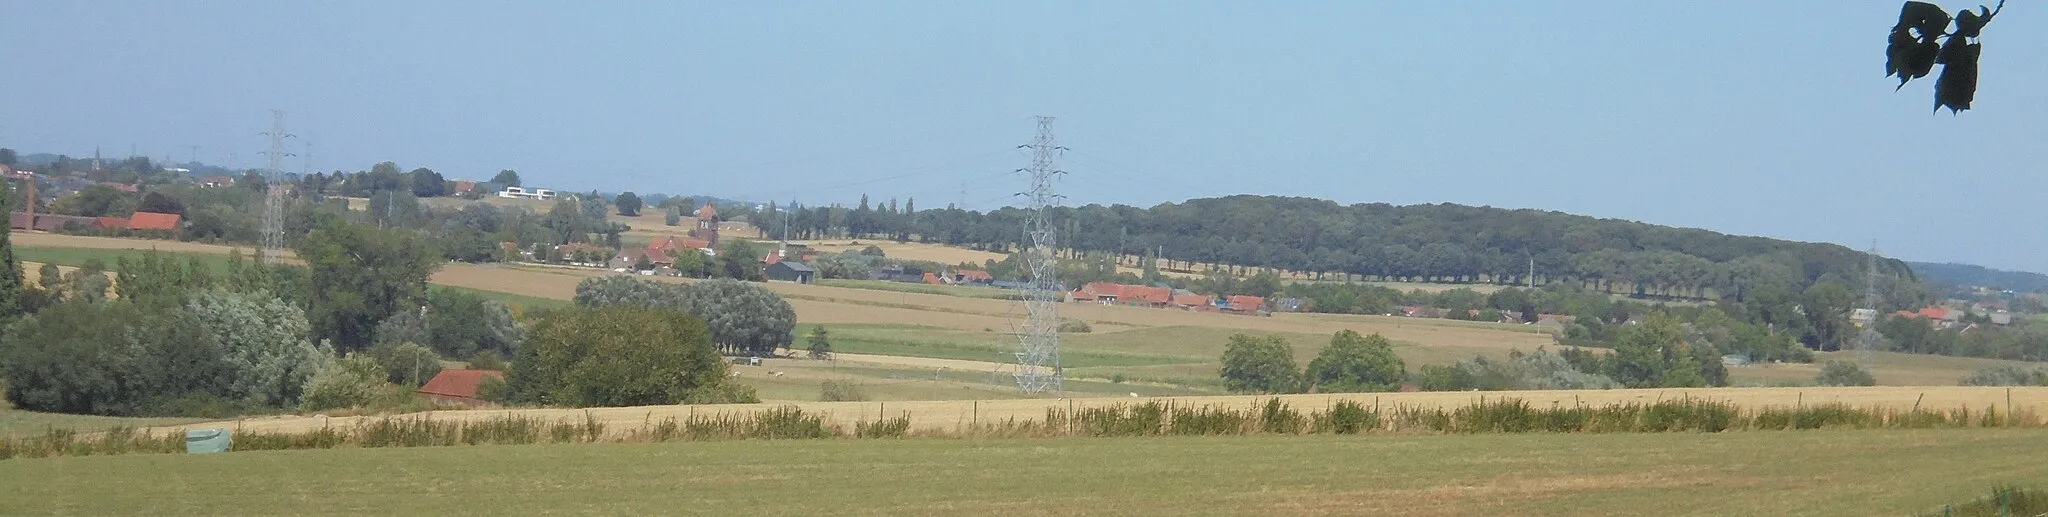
{"x": 201, "y": 441}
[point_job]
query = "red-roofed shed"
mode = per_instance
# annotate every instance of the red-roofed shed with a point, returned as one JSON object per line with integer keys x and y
{"x": 458, "y": 386}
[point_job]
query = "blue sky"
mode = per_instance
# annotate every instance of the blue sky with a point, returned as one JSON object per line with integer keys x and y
{"x": 1760, "y": 118}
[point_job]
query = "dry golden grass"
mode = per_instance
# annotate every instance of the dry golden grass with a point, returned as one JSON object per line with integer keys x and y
{"x": 958, "y": 414}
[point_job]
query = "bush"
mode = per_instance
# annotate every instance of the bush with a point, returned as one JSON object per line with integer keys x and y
{"x": 1844, "y": 373}
{"x": 491, "y": 389}
{"x": 841, "y": 391}
{"x": 354, "y": 381}
{"x": 1074, "y": 326}
{"x": 2007, "y": 375}
{"x": 407, "y": 364}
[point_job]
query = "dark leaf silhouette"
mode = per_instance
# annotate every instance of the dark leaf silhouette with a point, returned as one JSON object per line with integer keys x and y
{"x": 1920, "y": 41}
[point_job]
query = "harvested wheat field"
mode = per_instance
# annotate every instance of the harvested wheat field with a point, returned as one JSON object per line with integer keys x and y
{"x": 956, "y": 415}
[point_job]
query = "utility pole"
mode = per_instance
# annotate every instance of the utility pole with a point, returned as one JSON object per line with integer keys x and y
{"x": 1532, "y": 272}
{"x": 195, "y": 153}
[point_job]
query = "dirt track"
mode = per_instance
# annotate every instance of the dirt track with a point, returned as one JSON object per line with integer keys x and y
{"x": 953, "y": 415}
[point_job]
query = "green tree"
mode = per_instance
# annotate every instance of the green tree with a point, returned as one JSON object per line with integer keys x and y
{"x": 1260, "y": 364}
{"x": 740, "y": 261}
{"x": 1354, "y": 363}
{"x": 10, "y": 267}
{"x": 744, "y": 318}
{"x": 507, "y": 177}
{"x": 360, "y": 276}
{"x": 1646, "y": 351}
{"x": 8, "y": 157}
{"x": 427, "y": 183}
{"x": 263, "y": 343}
{"x": 157, "y": 202}
{"x": 1827, "y": 306}
{"x": 96, "y": 201}
{"x": 628, "y": 204}
{"x": 454, "y": 324}
{"x": 821, "y": 346}
{"x": 672, "y": 217}
{"x": 1844, "y": 373}
{"x": 111, "y": 359}
{"x": 407, "y": 364}
{"x": 620, "y": 356}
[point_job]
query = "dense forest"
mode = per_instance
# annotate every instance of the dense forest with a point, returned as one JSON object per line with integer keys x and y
{"x": 1952, "y": 276}
{"x": 1442, "y": 243}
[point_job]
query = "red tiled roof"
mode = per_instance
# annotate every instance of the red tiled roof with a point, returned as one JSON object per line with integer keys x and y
{"x": 932, "y": 279}
{"x": 153, "y": 221}
{"x": 1939, "y": 313}
{"x": 464, "y": 185}
{"x": 217, "y": 180}
{"x": 458, "y": 383}
{"x": 113, "y": 223}
{"x": 1908, "y": 314}
{"x": 1246, "y": 303}
{"x": 975, "y": 275}
{"x": 1146, "y": 294}
{"x": 707, "y": 212}
{"x": 678, "y": 243}
{"x": 1191, "y": 300}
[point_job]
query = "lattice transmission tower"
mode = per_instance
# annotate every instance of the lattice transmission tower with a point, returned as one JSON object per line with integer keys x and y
{"x": 1038, "y": 355}
{"x": 273, "y": 180}
{"x": 1869, "y": 340}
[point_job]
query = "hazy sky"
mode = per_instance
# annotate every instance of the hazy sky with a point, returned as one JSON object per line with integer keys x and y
{"x": 1762, "y": 118}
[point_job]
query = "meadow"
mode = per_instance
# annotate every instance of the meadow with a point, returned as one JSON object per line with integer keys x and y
{"x": 1826, "y": 472}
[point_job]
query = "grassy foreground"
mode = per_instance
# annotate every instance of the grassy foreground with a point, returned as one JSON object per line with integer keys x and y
{"x": 1892, "y": 472}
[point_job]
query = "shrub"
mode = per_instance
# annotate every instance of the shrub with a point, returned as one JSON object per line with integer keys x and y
{"x": 1074, "y": 326}
{"x": 2007, "y": 375}
{"x": 841, "y": 391}
{"x": 354, "y": 381}
{"x": 619, "y": 356}
{"x": 1844, "y": 373}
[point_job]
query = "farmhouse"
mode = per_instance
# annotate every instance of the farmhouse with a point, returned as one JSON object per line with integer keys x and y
{"x": 216, "y": 181}
{"x": 458, "y": 387}
{"x": 791, "y": 271}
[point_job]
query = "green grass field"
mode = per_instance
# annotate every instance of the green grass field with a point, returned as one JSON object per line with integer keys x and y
{"x": 1760, "y": 473}
{"x": 75, "y": 257}
{"x": 943, "y": 290}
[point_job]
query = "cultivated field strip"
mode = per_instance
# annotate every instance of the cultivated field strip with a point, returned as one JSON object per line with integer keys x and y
{"x": 953, "y": 416}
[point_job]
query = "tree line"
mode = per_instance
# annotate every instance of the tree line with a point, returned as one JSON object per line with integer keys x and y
{"x": 1441, "y": 243}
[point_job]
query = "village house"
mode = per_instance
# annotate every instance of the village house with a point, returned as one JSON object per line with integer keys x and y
{"x": 217, "y": 181}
